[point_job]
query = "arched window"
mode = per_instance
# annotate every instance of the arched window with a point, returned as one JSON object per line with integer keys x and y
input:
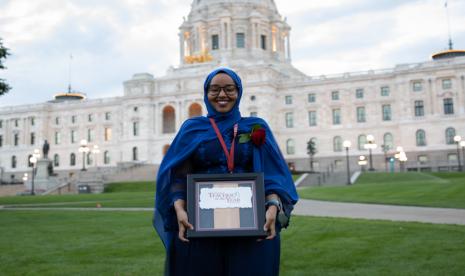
{"x": 362, "y": 140}
{"x": 290, "y": 146}
{"x": 421, "y": 138}
{"x": 388, "y": 141}
{"x": 450, "y": 133}
{"x": 106, "y": 157}
{"x": 337, "y": 143}
{"x": 29, "y": 163}
{"x": 13, "y": 162}
{"x": 72, "y": 159}
{"x": 56, "y": 160}
{"x": 134, "y": 154}
{"x": 195, "y": 110}
{"x": 165, "y": 149}
{"x": 89, "y": 158}
{"x": 168, "y": 119}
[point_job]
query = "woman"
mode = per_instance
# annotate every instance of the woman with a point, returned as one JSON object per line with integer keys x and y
{"x": 197, "y": 148}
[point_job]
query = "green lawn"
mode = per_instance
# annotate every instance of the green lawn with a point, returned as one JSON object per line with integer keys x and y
{"x": 419, "y": 189}
{"x": 124, "y": 243}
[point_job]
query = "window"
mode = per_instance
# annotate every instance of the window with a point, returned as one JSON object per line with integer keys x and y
{"x": 336, "y": 116}
{"x": 362, "y": 140}
{"x": 136, "y": 108}
{"x": 448, "y": 106}
{"x": 422, "y": 159}
{"x": 134, "y": 154}
{"x": 33, "y": 121}
{"x": 215, "y": 42}
{"x": 450, "y": 133}
{"x": 1, "y": 140}
{"x": 253, "y": 98}
{"x": 56, "y": 160}
{"x": 107, "y": 134}
{"x": 57, "y": 138}
{"x": 385, "y": 91}
{"x": 73, "y": 119}
{"x": 90, "y": 117}
{"x": 107, "y": 116}
{"x": 89, "y": 158}
{"x": 16, "y": 139}
{"x": 335, "y": 95}
{"x": 288, "y": 99}
{"x": 263, "y": 42}
{"x": 135, "y": 128}
{"x": 57, "y": 120}
{"x": 359, "y": 93}
{"x": 446, "y": 84}
{"x": 1, "y": 123}
{"x": 311, "y": 98}
{"x": 16, "y": 122}
{"x": 73, "y": 136}
{"x": 290, "y": 146}
{"x": 33, "y": 138}
{"x": 13, "y": 162}
{"x": 90, "y": 135}
{"x": 337, "y": 143}
{"x": 106, "y": 157}
{"x": 72, "y": 159}
{"x": 419, "y": 109}
{"x": 452, "y": 157}
{"x": 289, "y": 119}
{"x": 29, "y": 163}
{"x": 386, "y": 112}
{"x": 240, "y": 40}
{"x": 388, "y": 141}
{"x": 417, "y": 86}
{"x": 312, "y": 118}
{"x": 420, "y": 138}
{"x": 253, "y": 114}
{"x": 361, "y": 114}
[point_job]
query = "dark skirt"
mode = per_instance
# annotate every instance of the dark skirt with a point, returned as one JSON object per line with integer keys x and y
{"x": 224, "y": 256}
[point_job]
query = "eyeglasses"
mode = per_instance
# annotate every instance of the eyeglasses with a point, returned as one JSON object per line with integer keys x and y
{"x": 215, "y": 90}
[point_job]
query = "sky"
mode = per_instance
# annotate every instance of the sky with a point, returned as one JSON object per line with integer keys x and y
{"x": 111, "y": 40}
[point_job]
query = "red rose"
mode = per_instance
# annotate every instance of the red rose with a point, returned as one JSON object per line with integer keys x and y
{"x": 258, "y": 136}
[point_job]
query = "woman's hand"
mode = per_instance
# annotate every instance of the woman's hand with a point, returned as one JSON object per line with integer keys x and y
{"x": 270, "y": 223}
{"x": 183, "y": 223}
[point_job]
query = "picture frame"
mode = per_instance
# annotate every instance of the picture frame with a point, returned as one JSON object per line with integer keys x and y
{"x": 226, "y": 205}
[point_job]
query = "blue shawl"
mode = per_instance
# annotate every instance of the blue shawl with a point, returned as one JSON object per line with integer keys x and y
{"x": 267, "y": 158}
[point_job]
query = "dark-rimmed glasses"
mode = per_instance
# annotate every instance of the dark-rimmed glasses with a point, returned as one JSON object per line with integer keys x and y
{"x": 214, "y": 90}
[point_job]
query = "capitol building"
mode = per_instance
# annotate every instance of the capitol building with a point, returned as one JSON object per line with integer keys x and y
{"x": 419, "y": 107}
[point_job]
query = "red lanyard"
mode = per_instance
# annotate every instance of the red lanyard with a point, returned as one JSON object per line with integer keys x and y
{"x": 229, "y": 155}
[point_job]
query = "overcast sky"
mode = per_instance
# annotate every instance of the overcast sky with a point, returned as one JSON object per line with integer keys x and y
{"x": 110, "y": 40}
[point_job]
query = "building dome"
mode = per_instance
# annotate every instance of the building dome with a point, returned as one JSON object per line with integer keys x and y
{"x": 198, "y": 4}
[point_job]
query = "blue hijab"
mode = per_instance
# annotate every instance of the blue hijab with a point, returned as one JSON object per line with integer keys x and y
{"x": 267, "y": 158}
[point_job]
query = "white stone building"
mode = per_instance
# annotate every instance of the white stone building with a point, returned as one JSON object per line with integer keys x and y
{"x": 417, "y": 106}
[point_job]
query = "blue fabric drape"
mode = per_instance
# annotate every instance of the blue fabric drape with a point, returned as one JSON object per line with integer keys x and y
{"x": 267, "y": 158}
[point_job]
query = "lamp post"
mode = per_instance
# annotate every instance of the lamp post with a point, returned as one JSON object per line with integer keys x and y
{"x": 346, "y": 144}
{"x": 370, "y": 145}
{"x": 34, "y": 158}
{"x": 385, "y": 148}
{"x": 462, "y": 145}
{"x": 362, "y": 161}
{"x": 95, "y": 151}
{"x": 402, "y": 160}
{"x": 84, "y": 149}
{"x": 457, "y": 140}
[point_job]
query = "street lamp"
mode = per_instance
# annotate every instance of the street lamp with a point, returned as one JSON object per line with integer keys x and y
{"x": 385, "y": 148}
{"x": 95, "y": 151}
{"x": 362, "y": 161}
{"x": 462, "y": 145}
{"x": 402, "y": 160}
{"x": 84, "y": 149}
{"x": 346, "y": 144}
{"x": 370, "y": 145}
{"x": 34, "y": 158}
{"x": 457, "y": 140}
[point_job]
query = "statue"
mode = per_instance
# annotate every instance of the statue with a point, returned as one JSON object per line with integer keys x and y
{"x": 45, "y": 149}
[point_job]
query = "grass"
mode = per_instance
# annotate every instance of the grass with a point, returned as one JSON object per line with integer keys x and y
{"x": 418, "y": 189}
{"x": 124, "y": 243}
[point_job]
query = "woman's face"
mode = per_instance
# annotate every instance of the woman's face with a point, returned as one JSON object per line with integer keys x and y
{"x": 222, "y": 93}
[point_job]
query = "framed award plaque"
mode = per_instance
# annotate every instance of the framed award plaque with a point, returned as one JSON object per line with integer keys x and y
{"x": 226, "y": 205}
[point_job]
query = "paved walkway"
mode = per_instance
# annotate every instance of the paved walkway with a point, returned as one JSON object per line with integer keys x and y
{"x": 331, "y": 209}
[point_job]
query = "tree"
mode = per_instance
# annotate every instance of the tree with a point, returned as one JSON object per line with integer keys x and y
{"x": 311, "y": 151}
{"x": 4, "y": 87}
